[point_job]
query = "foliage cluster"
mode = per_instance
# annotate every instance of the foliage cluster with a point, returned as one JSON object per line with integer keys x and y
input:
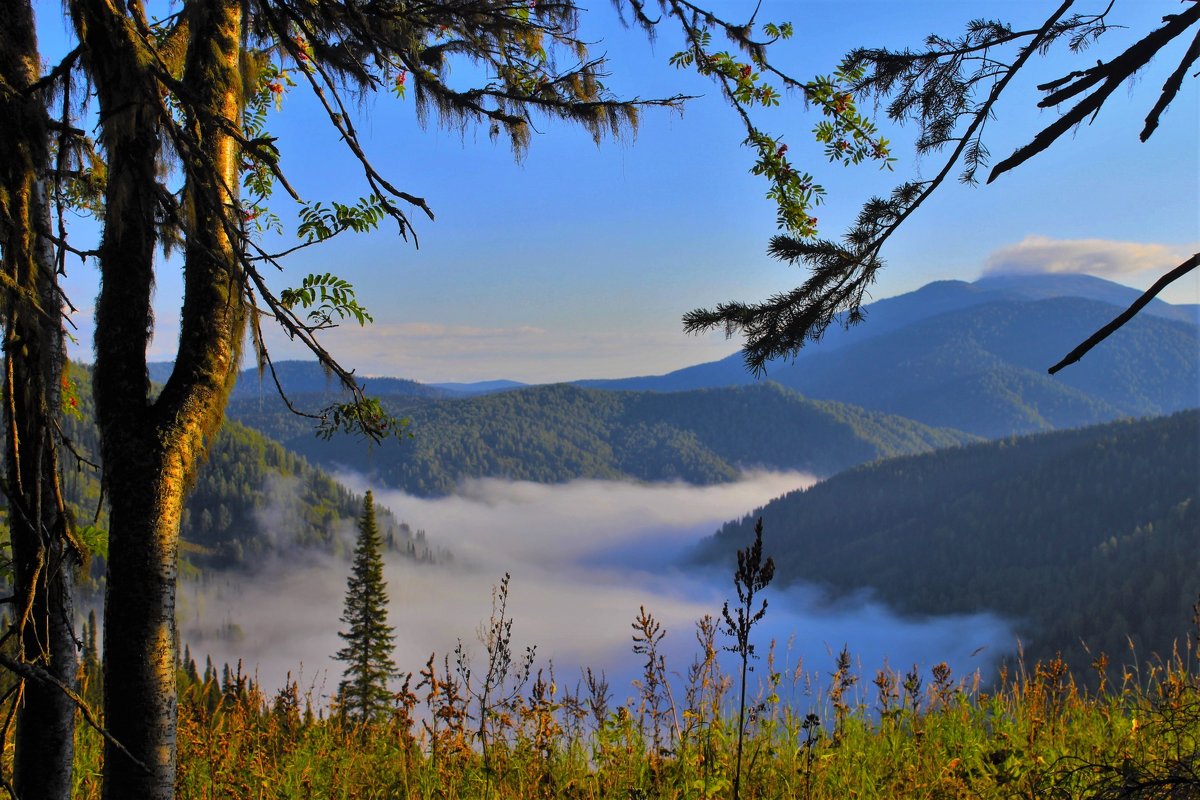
{"x": 1034, "y": 733}
{"x": 1103, "y": 520}
{"x": 748, "y": 80}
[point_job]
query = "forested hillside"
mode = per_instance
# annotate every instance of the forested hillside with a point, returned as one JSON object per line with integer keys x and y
{"x": 252, "y": 498}
{"x": 552, "y": 434}
{"x": 1081, "y": 537}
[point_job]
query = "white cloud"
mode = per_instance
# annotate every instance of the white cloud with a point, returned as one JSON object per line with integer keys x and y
{"x": 1101, "y": 257}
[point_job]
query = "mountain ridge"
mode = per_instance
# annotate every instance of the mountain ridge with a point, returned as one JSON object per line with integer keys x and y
{"x": 940, "y": 334}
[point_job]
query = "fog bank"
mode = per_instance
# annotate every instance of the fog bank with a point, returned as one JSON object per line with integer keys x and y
{"x": 583, "y": 557}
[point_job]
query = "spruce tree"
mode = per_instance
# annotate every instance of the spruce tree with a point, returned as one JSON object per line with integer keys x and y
{"x": 363, "y": 692}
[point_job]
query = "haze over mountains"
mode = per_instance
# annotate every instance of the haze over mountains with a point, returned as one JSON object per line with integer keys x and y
{"x": 253, "y": 501}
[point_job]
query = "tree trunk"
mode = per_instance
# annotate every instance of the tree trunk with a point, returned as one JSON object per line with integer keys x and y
{"x": 139, "y": 613}
{"x": 43, "y": 557}
{"x": 139, "y": 688}
{"x": 151, "y": 449}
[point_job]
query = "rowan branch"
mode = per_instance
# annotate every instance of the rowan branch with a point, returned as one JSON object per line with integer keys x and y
{"x": 341, "y": 122}
{"x": 842, "y": 273}
{"x": 262, "y": 149}
{"x": 224, "y": 195}
{"x": 283, "y": 395}
{"x": 273, "y": 258}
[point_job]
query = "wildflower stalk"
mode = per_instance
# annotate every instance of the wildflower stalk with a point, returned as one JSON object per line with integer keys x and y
{"x": 752, "y": 576}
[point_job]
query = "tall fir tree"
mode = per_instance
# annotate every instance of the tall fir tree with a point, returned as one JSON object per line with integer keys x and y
{"x": 363, "y": 692}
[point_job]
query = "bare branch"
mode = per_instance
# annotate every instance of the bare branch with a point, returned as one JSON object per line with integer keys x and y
{"x": 1109, "y": 76}
{"x": 1128, "y": 314}
{"x": 59, "y": 72}
{"x": 62, "y": 243}
{"x": 36, "y": 673}
{"x": 1171, "y": 88}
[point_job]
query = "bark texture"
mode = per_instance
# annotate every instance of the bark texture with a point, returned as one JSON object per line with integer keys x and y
{"x": 139, "y": 679}
{"x": 151, "y": 448}
{"x": 43, "y": 556}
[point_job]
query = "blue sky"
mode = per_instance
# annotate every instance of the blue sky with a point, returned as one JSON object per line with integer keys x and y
{"x": 579, "y": 261}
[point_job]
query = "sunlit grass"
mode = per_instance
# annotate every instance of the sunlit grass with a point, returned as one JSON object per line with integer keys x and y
{"x": 1032, "y": 733}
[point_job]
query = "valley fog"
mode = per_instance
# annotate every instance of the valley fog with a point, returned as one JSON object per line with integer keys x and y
{"x": 583, "y": 557}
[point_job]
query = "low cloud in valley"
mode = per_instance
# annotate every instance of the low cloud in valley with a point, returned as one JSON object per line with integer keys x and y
{"x": 583, "y": 557}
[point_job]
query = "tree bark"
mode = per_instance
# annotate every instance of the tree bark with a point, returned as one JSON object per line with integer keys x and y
{"x": 151, "y": 449}
{"x": 43, "y": 556}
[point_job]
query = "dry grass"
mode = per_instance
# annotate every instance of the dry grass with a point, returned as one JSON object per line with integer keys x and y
{"x": 1034, "y": 734}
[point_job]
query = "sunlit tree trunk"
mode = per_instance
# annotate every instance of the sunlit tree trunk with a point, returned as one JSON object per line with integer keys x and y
{"x": 43, "y": 560}
{"x": 139, "y": 670}
{"x": 151, "y": 449}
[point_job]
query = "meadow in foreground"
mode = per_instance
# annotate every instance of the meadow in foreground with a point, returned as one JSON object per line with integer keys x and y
{"x": 517, "y": 732}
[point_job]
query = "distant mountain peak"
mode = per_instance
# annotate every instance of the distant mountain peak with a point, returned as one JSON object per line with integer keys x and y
{"x": 973, "y": 356}
{"x": 1043, "y": 286}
